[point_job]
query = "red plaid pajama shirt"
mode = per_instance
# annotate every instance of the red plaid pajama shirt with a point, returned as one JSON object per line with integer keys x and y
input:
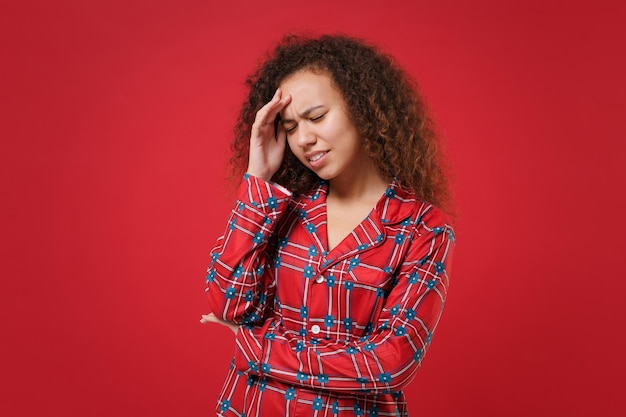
{"x": 327, "y": 333}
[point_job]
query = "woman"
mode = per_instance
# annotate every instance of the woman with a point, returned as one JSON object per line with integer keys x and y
{"x": 334, "y": 266}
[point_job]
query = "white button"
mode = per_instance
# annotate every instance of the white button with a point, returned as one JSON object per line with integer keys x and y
{"x": 315, "y": 329}
{"x": 319, "y": 279}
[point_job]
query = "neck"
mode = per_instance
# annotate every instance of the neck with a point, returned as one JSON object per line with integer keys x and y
{"x": 366, "y": 183}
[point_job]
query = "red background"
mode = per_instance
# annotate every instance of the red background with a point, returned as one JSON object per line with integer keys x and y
{"x": 116, "y": 118}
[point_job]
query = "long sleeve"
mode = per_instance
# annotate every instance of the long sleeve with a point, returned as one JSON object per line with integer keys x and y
{"x": 385, "y": 359}
{"x": 239, "y": 283}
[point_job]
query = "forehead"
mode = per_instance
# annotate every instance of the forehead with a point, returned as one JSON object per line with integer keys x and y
{"x": 307, "y": 85}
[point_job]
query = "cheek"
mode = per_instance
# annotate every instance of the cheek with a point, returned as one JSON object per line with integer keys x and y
{"x": 338, "y": 127}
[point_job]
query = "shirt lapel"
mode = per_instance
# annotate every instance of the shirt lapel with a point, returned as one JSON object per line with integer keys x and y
{"x": 311, "y": 211}
{"x": 397, "y": 204}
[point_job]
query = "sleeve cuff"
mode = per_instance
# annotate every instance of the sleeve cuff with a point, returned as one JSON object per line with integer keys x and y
{"x": 267, "y": 197}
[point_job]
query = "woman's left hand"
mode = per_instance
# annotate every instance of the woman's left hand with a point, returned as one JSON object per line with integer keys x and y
{"x": 211, "y": 318}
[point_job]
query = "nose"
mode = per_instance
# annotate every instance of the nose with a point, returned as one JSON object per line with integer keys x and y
{"x": 304, "y": 136}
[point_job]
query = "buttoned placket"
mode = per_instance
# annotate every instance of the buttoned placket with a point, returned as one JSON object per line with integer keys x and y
{"x": 316, "y": 329}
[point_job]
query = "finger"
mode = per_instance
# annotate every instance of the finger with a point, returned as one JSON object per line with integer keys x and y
{"x": 273, "y": 112}
{"x": 262, "y": 113}
{"x": 281, "y": 135}
{"x": 267, "y": 114}
{"x": 280, "y": 106}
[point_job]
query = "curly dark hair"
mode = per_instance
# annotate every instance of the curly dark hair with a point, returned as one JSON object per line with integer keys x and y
{"x": 383, "y": 102}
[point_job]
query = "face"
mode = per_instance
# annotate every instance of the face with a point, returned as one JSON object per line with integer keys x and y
{"x": 319, "y": 129}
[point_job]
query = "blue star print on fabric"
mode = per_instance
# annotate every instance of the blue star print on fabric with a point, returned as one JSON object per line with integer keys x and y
{"x": 385, "y": 377}
{"x": 258, "y": 237}
{"x": 238, "y": 271}
{"x": 317, "y": 404}
{"x": 308, "y": 272}
{"x": 290, "y": 393}
{"x": 347, "y": 323}
{"x": 395, "y": 310}
{"x": 253, "y": 366}
{"x": 354, "y": 262}
{"x": 369, "y": 347}
{"x": 225, "y": 405}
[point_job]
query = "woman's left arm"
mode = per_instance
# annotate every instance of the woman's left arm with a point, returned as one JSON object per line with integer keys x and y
{"x": 385, "y": 360}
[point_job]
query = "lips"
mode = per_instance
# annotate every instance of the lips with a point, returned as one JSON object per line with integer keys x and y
{"x": 316, "y": 156}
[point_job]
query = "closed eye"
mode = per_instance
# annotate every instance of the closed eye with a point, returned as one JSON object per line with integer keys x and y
{"x": 316, "y": 118}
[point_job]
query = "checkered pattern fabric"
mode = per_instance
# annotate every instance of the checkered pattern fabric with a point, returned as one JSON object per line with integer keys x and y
{"x": 327, "y": 333}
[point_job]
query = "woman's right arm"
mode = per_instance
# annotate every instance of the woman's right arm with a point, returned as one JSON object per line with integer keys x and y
{"x": 239, "y": 279}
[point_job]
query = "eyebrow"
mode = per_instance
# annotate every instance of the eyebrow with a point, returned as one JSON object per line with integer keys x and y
{"x": 304, "y": 113}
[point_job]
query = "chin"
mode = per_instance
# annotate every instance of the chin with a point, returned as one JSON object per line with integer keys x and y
{"x": 324, "y": 176}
